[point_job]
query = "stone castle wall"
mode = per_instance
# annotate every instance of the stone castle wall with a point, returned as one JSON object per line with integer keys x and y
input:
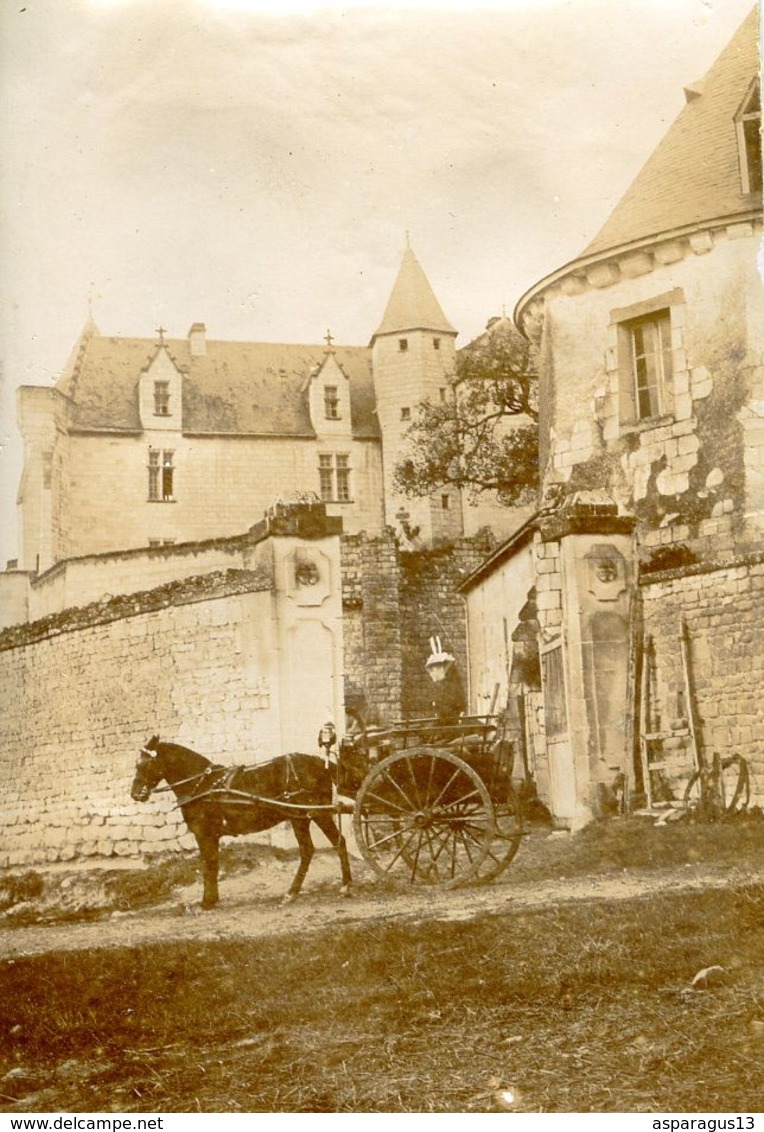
{"x": 371, "y": 582}
{"x": 692, "y": 475}
{"x": 723, "y": 609}
{"x": 432, "y": 607}
{"x": 393, "y": 602}
{"x": 82, "y": 692}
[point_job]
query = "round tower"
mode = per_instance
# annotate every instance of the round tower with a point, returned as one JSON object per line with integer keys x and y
{"x": 413, "y": 358}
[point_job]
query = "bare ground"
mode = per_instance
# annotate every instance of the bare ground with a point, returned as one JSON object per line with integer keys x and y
{"x": 251, "y": 903}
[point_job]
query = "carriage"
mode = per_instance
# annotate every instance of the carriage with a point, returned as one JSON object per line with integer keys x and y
{"x": 431, "y": 803}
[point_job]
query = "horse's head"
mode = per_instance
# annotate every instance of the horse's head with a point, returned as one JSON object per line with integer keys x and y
{"x": 149, "y": 771}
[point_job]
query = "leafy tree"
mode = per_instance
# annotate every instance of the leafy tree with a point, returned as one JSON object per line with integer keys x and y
{"x": 484, "y": 435}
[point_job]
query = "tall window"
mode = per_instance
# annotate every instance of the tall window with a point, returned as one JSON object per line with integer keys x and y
{"x": 331, "y": 403}
{"x": 161, "y": 473}
{"x": 652, "y": 368}
{"x": 343, "y": 479}
{"x": 162, "y": 398}
{"x": 334, "y": 477}
{"x": 403, "y": 344}
{"x": 748, "y": 125}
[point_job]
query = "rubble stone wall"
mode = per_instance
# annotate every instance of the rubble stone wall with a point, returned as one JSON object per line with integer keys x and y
{"x": 393, "y": 602}
{"x": 371, "y": 579}
{"x": 723, "y": 609}
{"x": 82, "y": 692}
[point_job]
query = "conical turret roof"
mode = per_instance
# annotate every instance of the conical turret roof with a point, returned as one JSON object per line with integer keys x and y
{"x": 694, "y": 174}
{"x": 67, "y": 380}
{"x": 412, "y": 304}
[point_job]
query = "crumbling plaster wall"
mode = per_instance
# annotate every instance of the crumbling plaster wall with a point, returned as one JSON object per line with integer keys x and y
{"x": 692, "y": 477}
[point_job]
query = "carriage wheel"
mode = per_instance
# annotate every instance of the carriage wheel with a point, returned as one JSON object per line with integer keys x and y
{"x": 508, "y": 833}
{"x": 424, "y": 816}
{"x": 734, "y": 788}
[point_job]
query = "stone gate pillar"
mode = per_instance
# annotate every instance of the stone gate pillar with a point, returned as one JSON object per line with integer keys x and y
{"x": 585, "y": 658}
{"x": 307, "y": 615}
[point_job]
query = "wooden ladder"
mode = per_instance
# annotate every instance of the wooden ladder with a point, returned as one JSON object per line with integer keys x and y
{"x": 655, "y": 761}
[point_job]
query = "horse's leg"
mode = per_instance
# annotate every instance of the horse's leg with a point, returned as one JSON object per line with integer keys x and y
{"x": 301, "y": 827}
{"x": 209, "y": 852}
{"x": 328, "y": 827}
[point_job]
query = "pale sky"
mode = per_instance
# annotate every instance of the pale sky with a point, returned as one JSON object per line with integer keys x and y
{"x": 174, "y": 161}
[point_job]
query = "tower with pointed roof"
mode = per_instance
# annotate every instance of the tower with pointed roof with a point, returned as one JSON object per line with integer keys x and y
{"x": 413, "y": 357}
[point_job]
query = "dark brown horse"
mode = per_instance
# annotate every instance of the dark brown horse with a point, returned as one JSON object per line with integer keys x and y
{"x": 217, "y": 801}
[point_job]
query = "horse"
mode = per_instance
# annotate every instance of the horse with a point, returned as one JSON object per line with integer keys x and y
{"x": 216, "y": 801}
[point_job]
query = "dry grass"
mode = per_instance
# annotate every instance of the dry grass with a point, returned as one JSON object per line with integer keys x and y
{"x": 578, "y": 1008}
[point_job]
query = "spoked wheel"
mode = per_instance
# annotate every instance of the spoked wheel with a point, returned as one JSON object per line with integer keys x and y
{"x": 508, "y": 833}
{"x": 495, "y": 771}
{"x": 725, "y": 788}
{"x": 424, "y": 816}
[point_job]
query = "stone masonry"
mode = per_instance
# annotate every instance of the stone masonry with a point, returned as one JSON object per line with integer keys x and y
{"x": 216, "y": 661}
{"x": 393, "y": 602}
{"x": 724, "y": 612}
{"x": 83, "y": 693}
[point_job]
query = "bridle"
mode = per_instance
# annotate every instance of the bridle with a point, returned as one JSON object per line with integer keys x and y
{"x": 157, "y": 789}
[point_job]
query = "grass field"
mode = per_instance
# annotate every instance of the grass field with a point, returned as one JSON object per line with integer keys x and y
{"x": 586, "y": 1007}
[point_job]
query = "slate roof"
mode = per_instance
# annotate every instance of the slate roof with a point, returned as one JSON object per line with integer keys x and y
{"x": 412, "y": 304}
{"x": 693, "y": 175}
{"x": 235, "y": 388}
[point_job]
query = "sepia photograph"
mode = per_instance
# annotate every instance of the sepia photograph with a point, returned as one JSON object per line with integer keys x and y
{"x": 381, "y": 561}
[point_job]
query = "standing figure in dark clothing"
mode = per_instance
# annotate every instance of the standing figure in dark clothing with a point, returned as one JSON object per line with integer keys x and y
{"x": 449, "y": 700}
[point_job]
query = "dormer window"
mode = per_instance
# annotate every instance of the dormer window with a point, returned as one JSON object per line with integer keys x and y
{"x": 162, "y": 398}
{"x": 331, "y": 403}
{"x": 748, "y": 125}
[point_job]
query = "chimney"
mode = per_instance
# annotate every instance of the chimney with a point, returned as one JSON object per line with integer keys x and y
{"x": 197, "y": 340}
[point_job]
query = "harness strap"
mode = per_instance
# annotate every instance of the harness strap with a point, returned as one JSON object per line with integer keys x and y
{"x": 182, "y": 781}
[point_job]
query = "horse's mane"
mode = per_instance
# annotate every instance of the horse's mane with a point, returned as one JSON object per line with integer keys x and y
{"x": 178, "y": 749}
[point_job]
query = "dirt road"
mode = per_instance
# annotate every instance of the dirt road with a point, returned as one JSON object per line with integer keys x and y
{"x": 250, "y": 905}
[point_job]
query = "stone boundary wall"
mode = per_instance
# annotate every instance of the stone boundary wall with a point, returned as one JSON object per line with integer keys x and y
{"x": 83, "y": 690}
{"x": 723, "y": 607}
{"x": 128, "y": 605}
{"x": 393, "y": 602}
{"x": 432, "y": 606}
{"x": 371, "y": 582}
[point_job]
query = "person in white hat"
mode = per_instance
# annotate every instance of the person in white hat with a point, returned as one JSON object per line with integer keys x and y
{"x": 449, "y": 700}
